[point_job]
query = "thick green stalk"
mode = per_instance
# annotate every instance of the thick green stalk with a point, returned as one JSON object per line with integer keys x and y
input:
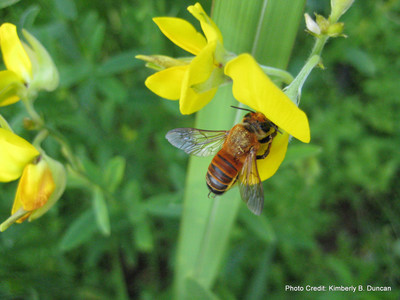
{"x": 247, "y": 26}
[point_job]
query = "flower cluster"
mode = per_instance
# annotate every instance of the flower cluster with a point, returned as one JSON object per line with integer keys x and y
{"x": 194, "y": 81}
{"x": 41, "y": 178}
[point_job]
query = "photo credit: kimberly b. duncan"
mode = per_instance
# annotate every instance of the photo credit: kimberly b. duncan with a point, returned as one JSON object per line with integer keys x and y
{"x": 337, "y": 288}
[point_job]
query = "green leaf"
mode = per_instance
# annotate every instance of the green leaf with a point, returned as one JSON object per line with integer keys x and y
{"x": 259, "y": 226}
{"x": 114, "y": 173}
{"x": 143, "y": 236}
{"x": 119, "y": 63}
{"x": 73, "y": 73}
{"x": 79, "y": 231}
{"x": 360, "y": 60}
{"x": 195, "y": 291}
{"x": 300, "y": 152}
{"x": 28, "y": 16}
{"x": 92, "y": 33}
{"x": 66, "y": 8}
{"x": 165, "y": 205}
{"x": 101, "y": 211}
{"x": 113, "y": 89}
{"x": 5, "y": 3}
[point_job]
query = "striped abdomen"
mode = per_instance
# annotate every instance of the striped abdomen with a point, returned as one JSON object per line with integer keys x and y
{"x": 222, "y": 172}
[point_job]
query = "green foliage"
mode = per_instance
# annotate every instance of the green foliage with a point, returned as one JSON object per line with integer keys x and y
{"x": 331, "y": 211}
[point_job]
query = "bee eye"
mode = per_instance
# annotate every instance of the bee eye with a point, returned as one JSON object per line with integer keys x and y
{"x": 265, "y": 126}
{"x": 248, "y": 115}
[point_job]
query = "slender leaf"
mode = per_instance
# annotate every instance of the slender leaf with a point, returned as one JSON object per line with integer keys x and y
{"x": 119, "y": 63}
{"x": 101, "y": 211}
{"x": 165, "y": 205}
{"x": 80, "y": 231}
{"x": 114, "y": 172}
{"x": 66, "y": 8}
{"x": 195, "y": 291}
{"x": 143, "y": 236}
{"x": 5, "y": 3}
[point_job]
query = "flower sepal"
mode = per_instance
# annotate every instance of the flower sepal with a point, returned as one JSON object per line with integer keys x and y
{"x": 60, "y": 180}
{"x": 45, "y": 73}
{"x": 162, "y": 62}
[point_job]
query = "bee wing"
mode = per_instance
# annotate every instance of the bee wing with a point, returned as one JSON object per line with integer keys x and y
{"x": 196, "y": 141}
{"x": 250, "y": 185}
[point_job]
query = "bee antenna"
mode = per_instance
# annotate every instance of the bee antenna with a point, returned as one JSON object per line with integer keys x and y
{"x": 276, "y": 127}
{"x": 241, "y": 108}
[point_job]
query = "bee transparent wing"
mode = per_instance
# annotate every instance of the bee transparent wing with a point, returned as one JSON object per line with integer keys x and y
{"x": 196, "y": 141}
{"x": 250, "y": 185}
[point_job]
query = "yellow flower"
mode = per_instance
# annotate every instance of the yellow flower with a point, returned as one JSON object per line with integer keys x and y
{"x": 29, "y": 68}
{"x": 193, "y": 81}
{"x": 40, "y": 186}
{"x": 34, "y": 188}
{"x": 252, "y": 87}
{"x": 15, "y": 154}
{"x": 42, "y": 178}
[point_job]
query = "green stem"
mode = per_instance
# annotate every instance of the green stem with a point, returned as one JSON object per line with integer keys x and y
{"x": 13, "y": 218}
{"x": 280, "y": 74}
{"x": 32, "y": 113}
{"x": 40, "y": 137}
{"x": 66, "y": 149}
{"x": 4, "y": 124}
{"x": 119, "y": 278}
{"x": 293, "y": 91}
{"x": 319, "y": 45}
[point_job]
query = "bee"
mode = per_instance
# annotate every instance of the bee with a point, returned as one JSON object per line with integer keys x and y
{"x": 236, "y": 152}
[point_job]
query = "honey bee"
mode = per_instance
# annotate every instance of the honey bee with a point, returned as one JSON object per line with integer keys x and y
{"x": 237, "y": 151}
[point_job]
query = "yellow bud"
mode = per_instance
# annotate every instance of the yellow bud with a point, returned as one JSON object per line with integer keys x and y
{"x": 34, "y": 188}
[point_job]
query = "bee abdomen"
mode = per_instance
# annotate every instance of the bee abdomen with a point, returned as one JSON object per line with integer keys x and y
{"x": 221, "y": 174}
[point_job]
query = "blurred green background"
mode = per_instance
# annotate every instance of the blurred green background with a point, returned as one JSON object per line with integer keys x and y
{"x": 333, "y": 207}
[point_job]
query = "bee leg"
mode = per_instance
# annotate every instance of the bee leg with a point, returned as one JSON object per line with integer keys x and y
{"x": 265, "y": 153}
{"x": 267, "y": 139}
{"x": 211, "y": 195}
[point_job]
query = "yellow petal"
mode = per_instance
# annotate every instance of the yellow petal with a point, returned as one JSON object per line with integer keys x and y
{"x": 200, "y": 69}
{"x": 10, "y": 87}
{"x": 16, "y": 206}
{"x": 60, "y": 179}
{"x": 269, "y": 165}
{"x": 211, "y": 31}
{"x": 252, "y": 87}
{"x": 35, "y": 187}
{"x": 15, "y": 154}
{"x": 181, "y": 33}
{"x": 14, "y": 55}
{"x": 167, "y": 83}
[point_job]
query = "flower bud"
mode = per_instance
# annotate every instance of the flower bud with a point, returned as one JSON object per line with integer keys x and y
{"x": 338, "y": 8}
{"x": 45, "y": 74}
{"x": 311, "y": 25}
